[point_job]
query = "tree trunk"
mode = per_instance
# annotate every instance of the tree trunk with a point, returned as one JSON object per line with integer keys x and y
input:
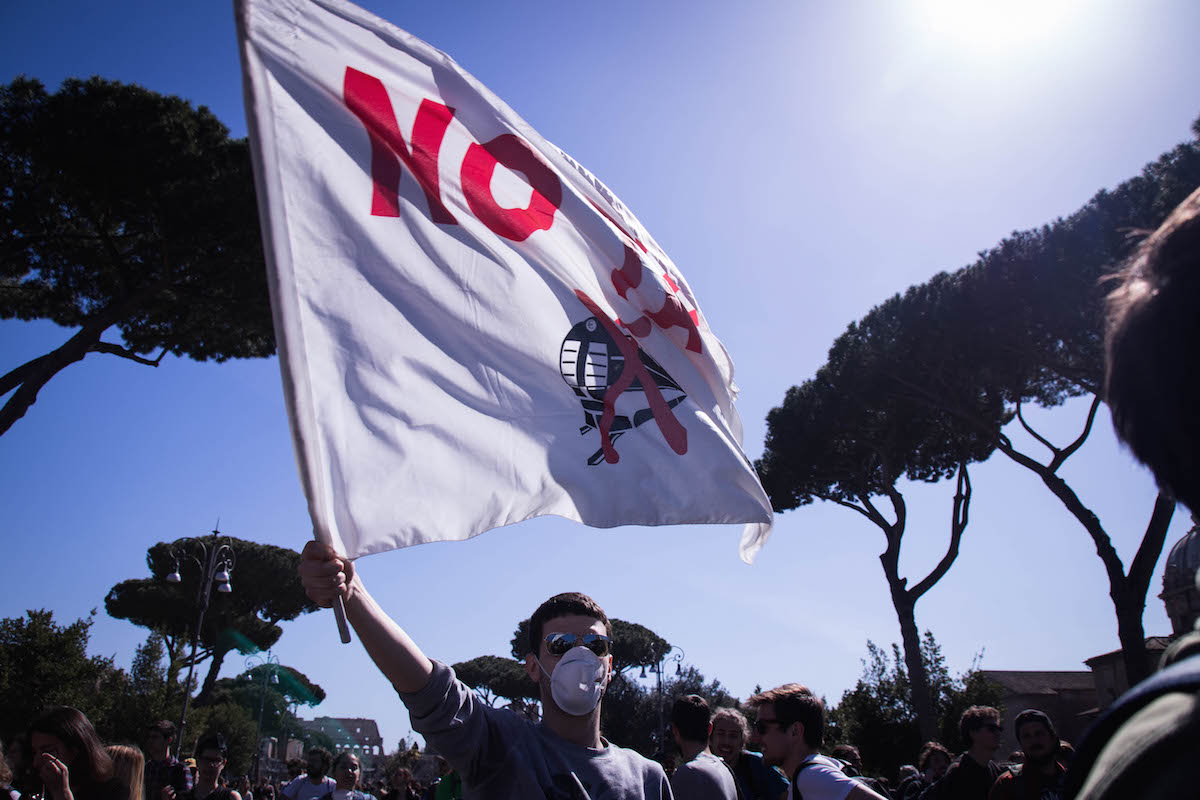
{"x": 1129, "y": 608}
{"x": 918, "y": 678}
{"x": 210, "y": 678}
{"x": 1128, "y": 591}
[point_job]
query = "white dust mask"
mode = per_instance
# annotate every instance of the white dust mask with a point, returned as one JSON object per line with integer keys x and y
{"x": 578, "y": 681}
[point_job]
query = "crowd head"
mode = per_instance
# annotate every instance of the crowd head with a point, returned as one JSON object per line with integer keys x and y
{"x": 730, "y": 731}
{"x": 934, "y": 760}
{"x": 318, "y": 762}
{"x": 568, "y": 604}
{"x": 345, "y": 770}
{"x": 690, "y": 718}
{"x": 794, "y": 709}
{"x": 979, "y": 726}
{"x": 159, "y": 737}
{"x": 66, "y": 749}
{"x": 1153, "y": 352}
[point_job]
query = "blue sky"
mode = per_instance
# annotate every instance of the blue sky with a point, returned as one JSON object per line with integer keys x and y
{"x": 800, "y": 162}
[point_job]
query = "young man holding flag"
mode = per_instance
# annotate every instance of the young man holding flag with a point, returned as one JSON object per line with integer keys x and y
{"x": 468, "y": 318}
{"x": 498, "y": 753}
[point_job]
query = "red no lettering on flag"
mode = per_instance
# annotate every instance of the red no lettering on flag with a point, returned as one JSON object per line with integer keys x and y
{"x": 473, "y": 330}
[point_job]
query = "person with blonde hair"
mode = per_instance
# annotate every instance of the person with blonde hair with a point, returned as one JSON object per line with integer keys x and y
{"x": 6, "y": 778}
{"x": 128, "y": 766}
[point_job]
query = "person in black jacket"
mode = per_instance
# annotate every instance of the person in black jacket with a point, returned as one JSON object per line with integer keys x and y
{"x": 972, "y": 774}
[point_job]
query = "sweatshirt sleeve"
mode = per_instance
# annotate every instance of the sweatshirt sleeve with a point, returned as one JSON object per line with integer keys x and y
{"x": 452, "y": 718}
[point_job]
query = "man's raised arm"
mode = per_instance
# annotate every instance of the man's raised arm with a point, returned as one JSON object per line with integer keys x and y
{"x": 326, "y": 575}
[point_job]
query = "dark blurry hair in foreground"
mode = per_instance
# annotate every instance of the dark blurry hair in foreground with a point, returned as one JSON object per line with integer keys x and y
{"x": 72, "y": 728}
{"x": 1152, "y": 344}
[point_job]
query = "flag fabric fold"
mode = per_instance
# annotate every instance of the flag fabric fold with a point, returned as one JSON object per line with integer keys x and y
{"x": 473, "y": 330}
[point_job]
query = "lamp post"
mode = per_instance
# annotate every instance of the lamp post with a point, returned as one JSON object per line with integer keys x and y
{"x": 221, "y": 556}
{"x": 272, "y": 675}
{"x": 657, "y": 669}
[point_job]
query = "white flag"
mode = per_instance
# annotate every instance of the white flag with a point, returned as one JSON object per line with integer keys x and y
{"x": 473, "y": 330}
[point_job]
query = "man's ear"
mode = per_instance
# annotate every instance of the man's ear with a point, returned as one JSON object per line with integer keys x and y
{"x": 532, "y": 668}
{"x": 709, "y": 731}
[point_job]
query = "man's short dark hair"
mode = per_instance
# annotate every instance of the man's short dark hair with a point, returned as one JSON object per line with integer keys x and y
{"x": 973, "y": 719}
{"x": 794, "y": 702}
{"x": 1152, "y": 349}
{"x": 690, "y": 715}
{"x": 212, "y": 741}
{"x": 563, "y": 605}
{"x": 164, "y": 728}
{"x": 323, "y": 754}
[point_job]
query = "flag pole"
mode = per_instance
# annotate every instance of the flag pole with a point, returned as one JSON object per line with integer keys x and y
{"x": 339, "y": 613}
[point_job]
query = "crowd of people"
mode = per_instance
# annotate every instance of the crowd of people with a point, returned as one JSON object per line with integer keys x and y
{"x": 719, "y": 755}
{"x": 724, "y": 757}
{"x": 61, "y": 757}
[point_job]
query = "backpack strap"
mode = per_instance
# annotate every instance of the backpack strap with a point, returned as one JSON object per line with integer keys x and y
{"x": 737, "y": 785}
{"x": 796, "y": 795}
{"x": 1183, "y": 676}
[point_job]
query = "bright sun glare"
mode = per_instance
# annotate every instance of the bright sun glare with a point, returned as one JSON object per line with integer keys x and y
{"x": 990, "y": 25}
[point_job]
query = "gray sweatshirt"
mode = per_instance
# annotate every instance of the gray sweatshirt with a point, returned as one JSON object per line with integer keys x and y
{"x": 705, "y": 777}
{"x": 504, "y": 756}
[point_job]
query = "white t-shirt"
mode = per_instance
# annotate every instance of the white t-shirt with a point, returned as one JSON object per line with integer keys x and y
{"x": 822, "y": 779}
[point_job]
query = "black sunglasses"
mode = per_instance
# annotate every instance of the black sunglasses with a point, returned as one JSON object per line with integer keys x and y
{"x": 760, "y": 726}
{"x": 557, "y": 644}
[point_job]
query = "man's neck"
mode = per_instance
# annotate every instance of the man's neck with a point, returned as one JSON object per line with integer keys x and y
{"x": 793, "y": 762}
{"x": 1049, "y": 767}
{"x": 690, "y": 750}
{"x": 583, "y": 731}
{"x": 980, "y": 756}
{"x": 315, "y": 779}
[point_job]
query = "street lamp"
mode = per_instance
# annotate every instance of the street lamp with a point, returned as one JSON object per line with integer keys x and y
{"x": 669, "y": 655}
{"x": 215, "y": 568}
{"x": 271, "y": 674}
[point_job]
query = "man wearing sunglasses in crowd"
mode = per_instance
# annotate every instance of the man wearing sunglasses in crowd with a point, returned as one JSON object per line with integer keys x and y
{"x": 972, "y": 774}
{"x": 498, "y": 753}
{"x": 791, "y": 728}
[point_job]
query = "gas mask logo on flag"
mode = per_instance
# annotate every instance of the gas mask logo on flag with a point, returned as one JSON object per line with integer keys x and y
{"x": 594, "y": 364}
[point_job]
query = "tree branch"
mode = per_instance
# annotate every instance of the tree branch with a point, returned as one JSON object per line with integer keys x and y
{"x": 845, "y": 504}
{"x": 1087, "y": 518}
{"x": 37, "y": 373}
{"x": 1005, "y": 445}
{"x": 959, "y": 517}
{"x": 124, "y": 352}
{"x": 18, "y": 375}
{"x": 1032, "y": 432}
{"x": 1070, "y": 449}
{"x": 875, "y": 516}
{"x": 1141, "y": 570}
